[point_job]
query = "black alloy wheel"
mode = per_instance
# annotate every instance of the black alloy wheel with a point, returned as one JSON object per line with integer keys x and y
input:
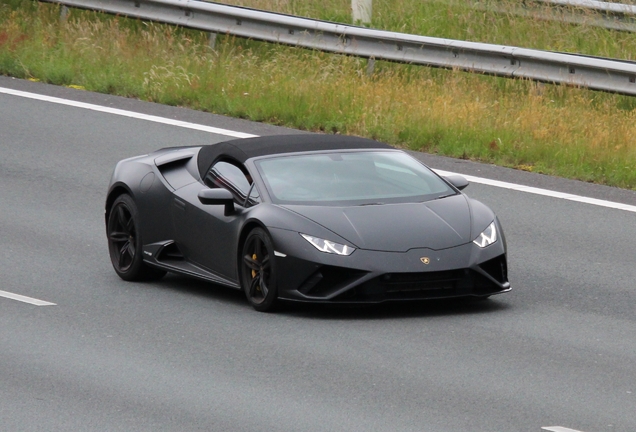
{"x": 258, "y": 275}
{"x": 124, "y": 242}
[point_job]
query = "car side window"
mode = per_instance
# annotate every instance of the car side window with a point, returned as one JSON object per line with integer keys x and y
{"x": 228, "y": 176}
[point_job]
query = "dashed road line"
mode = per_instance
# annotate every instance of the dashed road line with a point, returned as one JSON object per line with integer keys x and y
{"x": 25, "y": 299}
{"x": 559, "y": 429}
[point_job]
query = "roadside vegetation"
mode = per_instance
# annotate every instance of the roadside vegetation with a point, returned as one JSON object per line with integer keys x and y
{"x": 550, "y": 129}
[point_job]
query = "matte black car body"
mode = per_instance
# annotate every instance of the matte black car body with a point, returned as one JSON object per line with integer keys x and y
{"x": 405, "y": 251}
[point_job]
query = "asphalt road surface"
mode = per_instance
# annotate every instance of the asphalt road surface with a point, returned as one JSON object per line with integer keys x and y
{"x": 182, "y": 355}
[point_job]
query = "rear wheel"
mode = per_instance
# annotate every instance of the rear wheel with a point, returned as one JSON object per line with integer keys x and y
{"x": 258, "y": 271}
{"x": 125, "y": 244}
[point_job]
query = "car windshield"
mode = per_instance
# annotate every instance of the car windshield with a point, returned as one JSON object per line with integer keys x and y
{"x": 350, "y": 178}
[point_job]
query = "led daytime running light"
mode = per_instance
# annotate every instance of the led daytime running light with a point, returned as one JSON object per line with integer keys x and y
{"x": 488, "y": 237}
{"x": 328, "y": 246}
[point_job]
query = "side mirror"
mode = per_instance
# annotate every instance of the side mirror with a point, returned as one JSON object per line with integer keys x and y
{"x": 456, "y": 180}
{"x": 218, "y": 197}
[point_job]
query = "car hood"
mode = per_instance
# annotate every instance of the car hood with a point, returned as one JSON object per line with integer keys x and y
{"x": 438, "y": 224}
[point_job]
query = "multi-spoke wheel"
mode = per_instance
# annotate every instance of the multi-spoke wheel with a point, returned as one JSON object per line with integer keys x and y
{"x": 124, "y": 242}
{"x": 258, "y": 276}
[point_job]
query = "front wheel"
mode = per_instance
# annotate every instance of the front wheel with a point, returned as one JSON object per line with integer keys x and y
{"x": 125, "y": 244}
{"x": 258, "y": 271}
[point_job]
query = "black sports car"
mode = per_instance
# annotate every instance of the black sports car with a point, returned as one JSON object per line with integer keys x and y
{"x": 321, "y": 218}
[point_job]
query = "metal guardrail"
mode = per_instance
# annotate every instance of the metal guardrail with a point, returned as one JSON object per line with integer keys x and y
{"x": 617, "y": 9}
{"x": 614, "y": 16}
{"x": 511, "y": 62}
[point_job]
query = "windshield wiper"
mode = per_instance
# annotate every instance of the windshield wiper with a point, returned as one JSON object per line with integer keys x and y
{"x": 444, "y": 196}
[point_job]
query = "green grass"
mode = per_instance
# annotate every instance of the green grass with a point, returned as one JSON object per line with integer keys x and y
{"x": 557, "y": 130}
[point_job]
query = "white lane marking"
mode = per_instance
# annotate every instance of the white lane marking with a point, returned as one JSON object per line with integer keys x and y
{"x": 544, "y": 192}
{"x": 496, "y": 183}
{"x": 25, "y": 299}
{"x": 558, "y": 429}
{"x": 127, "y": 113}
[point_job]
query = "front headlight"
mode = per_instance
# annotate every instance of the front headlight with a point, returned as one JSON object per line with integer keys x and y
{"x": 328, "y": 246}
{"x": 488, "y": 237}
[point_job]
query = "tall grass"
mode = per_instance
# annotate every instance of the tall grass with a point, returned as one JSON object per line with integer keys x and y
{"x": 550, "y": 129}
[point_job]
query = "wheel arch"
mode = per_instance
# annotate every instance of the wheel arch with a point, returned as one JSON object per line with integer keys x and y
{"x": 115, "y": 191}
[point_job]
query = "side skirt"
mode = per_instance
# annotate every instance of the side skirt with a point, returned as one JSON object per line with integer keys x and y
{"x": 175, "y": 263}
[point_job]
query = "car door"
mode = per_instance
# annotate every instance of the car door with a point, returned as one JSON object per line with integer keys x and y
{"x": 206, "y": 236}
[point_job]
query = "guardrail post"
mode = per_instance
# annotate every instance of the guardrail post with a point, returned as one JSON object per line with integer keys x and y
{"x": 370, "y": 66}
{"x": 212, "y": 40}
{"x": 361, "y": 11}
{"x": 63, "y": 12}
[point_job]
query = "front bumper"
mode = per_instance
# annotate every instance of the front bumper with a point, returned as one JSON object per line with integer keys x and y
{"x": 375, "y": 276}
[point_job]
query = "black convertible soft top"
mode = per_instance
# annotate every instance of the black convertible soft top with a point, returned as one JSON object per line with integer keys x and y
{"x": 247, "y": 148}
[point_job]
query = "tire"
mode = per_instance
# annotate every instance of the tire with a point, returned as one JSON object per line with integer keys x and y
{"x": 125, "y": 244}
{"x": 258, "y": 271}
